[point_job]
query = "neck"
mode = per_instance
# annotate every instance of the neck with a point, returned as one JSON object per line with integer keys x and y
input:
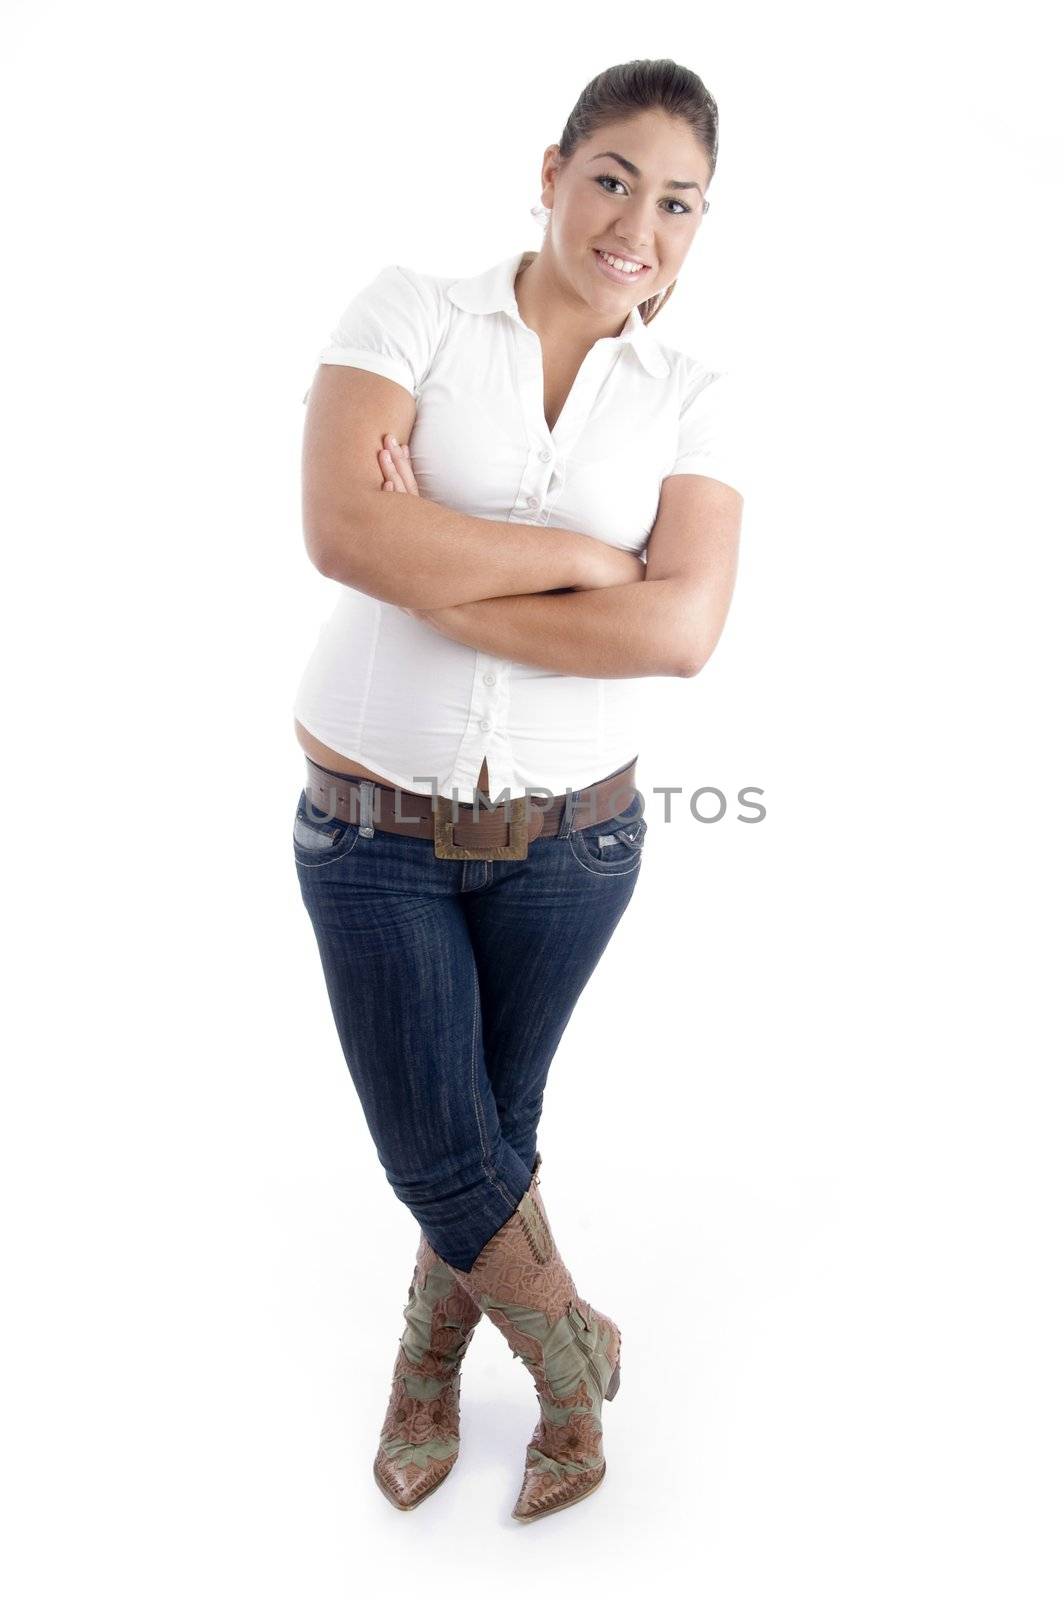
{"x": 549, "y": 307}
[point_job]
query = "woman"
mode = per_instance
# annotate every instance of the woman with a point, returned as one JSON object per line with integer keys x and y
{"x": 496, "y": 613}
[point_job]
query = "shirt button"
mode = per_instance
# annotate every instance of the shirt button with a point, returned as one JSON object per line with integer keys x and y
{"x": 489, "y": 677}
{"x": 485, "y": 725}
{"x": 544, "y": 455}
{"x": 533, "y": 501}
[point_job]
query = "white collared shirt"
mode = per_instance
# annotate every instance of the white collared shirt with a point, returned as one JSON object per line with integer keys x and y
{"x": 387, "y": 689}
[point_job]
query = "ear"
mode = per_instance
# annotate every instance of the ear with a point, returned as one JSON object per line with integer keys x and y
{"x": 549, "y": 172}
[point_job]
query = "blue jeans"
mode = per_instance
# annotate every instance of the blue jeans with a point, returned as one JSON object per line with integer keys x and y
{"x": 451, "y": 984}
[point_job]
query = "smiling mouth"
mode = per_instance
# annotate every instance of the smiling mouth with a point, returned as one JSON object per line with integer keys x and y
{"x": 619, "y": 274}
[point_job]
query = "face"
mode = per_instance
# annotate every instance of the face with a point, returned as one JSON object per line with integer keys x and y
{"x": 600, "y": 203}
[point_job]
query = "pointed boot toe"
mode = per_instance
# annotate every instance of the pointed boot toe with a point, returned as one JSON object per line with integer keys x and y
{"x": 562, "y": 1465}
{"x": 541, "y": 1494}
{"x": 419, "y": 1437}
{"x": 407, "y": 1486}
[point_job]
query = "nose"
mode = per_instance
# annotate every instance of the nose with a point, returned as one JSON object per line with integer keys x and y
{"x": 635, "y": 229}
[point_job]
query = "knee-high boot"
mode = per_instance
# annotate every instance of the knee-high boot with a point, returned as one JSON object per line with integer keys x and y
{"x": 419, "y": 1438}
{"x": 572, "y": 1351}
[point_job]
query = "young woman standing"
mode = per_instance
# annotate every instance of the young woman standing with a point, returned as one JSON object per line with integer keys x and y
{"x": 530, "y": 503}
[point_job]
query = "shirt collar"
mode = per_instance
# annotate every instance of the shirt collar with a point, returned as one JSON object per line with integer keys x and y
{"x": 493, "y": 290}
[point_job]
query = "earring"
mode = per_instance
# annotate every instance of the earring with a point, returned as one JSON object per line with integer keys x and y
{"x": 541, "y": 214}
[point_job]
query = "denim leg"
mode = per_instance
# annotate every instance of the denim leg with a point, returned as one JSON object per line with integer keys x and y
{"x": 451, "y": 984}
{"x": 402, "y": 983}
{"x": 538, "y": 931}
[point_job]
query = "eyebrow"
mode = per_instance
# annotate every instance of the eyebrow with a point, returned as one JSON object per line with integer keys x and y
{"x": 630, "y": 166}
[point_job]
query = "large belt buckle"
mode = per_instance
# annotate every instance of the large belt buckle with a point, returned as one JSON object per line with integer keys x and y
{"x": 516, "y": 849}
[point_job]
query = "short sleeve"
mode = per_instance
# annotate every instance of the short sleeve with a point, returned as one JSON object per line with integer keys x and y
{"x": 709, "y": 442}
{"x": 391, "y": 327}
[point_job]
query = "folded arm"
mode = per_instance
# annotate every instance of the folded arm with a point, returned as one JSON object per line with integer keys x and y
{"x": 622, "y": 632}
{"x": 667, "y": 625}
{"x": 405, "y": 549}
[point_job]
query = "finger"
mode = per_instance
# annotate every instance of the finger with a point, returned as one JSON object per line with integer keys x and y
{"x": 400, "y": 455}
{"x": 411, "y": 480}
{"x": 389, "y": 468}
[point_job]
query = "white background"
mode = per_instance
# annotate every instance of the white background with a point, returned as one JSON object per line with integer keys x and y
{"x": 802, "y": 1139}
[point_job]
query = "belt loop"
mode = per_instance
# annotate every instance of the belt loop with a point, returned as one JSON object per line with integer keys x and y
{"x": 366, "y": 809}
{"x": 565, "y": 826}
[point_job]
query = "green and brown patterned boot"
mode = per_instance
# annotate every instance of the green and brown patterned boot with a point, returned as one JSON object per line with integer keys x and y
{"x": 419, "y": 1439}
{"x": 572, "y": 1351}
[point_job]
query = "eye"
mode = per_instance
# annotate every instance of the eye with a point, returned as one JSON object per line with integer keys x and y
{"x": 608, "y": 178}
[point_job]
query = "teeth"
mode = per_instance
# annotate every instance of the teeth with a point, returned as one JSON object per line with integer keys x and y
{"x": 618, "y": 261}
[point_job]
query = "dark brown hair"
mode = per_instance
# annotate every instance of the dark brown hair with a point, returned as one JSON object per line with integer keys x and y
{"x": 635, "y": 86}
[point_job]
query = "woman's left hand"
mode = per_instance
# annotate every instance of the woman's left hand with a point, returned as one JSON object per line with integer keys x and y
{"x": 396, "y": 470}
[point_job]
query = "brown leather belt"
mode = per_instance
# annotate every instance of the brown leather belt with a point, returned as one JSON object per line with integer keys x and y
{"x": 462, "y": 831}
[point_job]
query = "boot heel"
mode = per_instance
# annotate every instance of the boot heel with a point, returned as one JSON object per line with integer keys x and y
{"x": 615, "y": 1382}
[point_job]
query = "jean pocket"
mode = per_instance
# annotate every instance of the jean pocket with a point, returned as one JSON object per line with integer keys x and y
{"x": 614, "y": 845}
{"x": 318, "y": 840}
